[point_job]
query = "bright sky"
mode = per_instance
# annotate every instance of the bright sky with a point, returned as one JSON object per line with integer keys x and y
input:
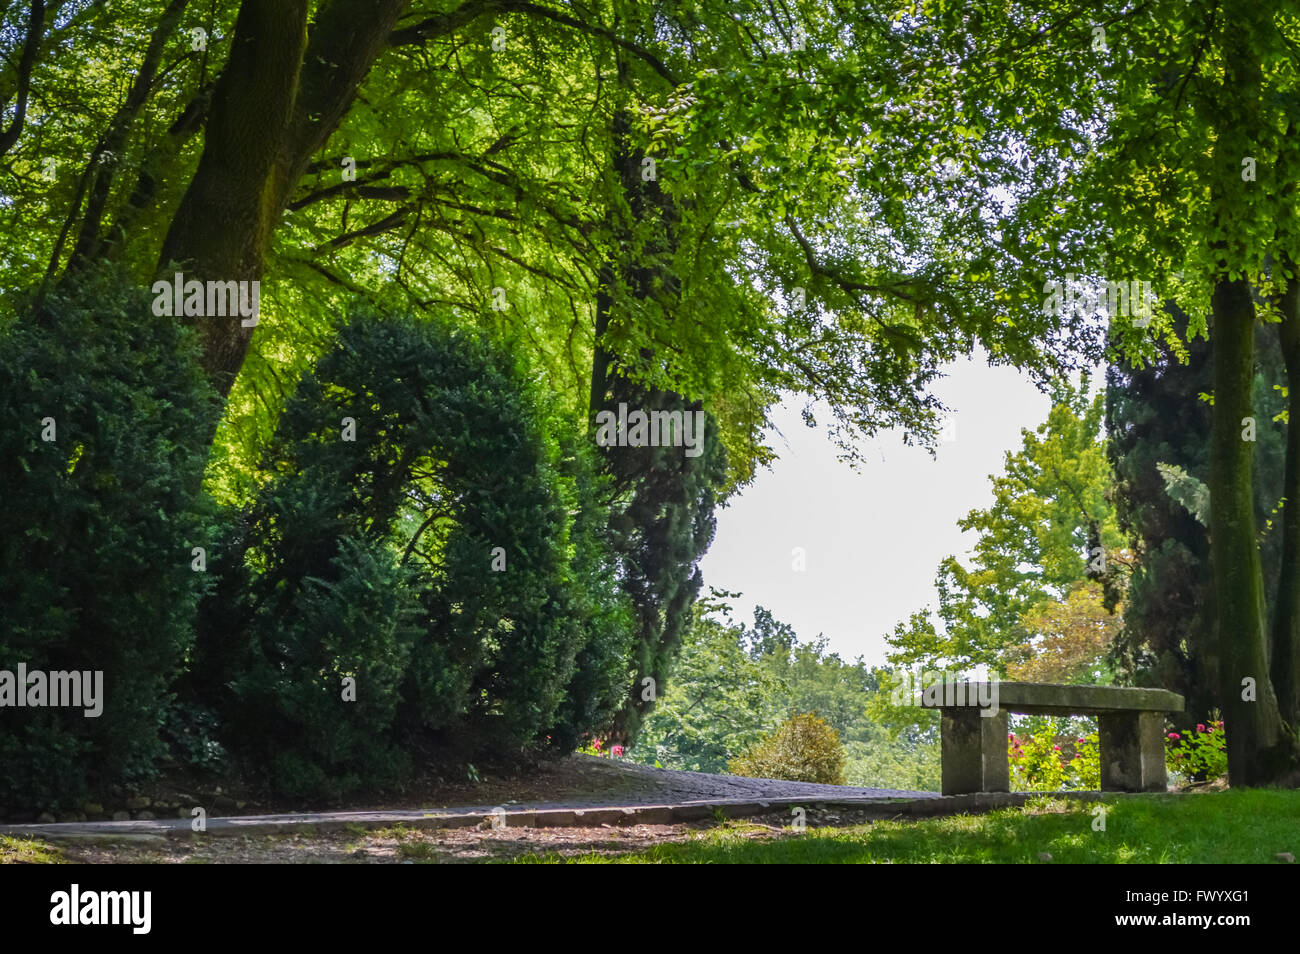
{"x": 873, "y": 538}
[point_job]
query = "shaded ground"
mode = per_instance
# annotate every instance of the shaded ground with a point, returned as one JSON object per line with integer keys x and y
{"x": 579, "y": 805}
{"x": 1237, "y": 826}
{"x": 578, "y": 781}
{"x": 589, "y": 809}
{"x": 399, "y": 845}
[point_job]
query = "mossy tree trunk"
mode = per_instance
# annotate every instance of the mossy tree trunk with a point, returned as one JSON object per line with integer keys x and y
{"x": 1260, "y": 748}
{"x": 1285, "y": 650}
{"x": 283, "y": 91}
{"x": 224, "y": 222}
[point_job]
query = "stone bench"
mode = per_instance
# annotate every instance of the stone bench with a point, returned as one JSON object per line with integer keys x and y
{"x": 1131, "y": 724}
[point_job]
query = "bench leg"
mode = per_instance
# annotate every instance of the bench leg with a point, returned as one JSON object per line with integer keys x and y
{"x": 974, "y": 751}
{"x": 1132, "y": 750}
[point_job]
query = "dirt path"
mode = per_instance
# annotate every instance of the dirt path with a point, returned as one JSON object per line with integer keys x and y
{"x": 400, "y": 844}
{"x": 582, "y": 793}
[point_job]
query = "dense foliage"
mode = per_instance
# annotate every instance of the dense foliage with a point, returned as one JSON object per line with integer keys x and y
{"x": 662, "y": 522}
{"x": 101, "y": 457}
{"x": 415, "y": 535}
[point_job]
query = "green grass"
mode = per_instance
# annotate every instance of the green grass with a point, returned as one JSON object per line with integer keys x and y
{"x": 417, "y": 851}
{"x": 18, "y": 851}
{"x": 1241, "y": 826}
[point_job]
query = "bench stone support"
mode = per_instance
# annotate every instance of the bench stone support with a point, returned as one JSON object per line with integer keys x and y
{"x": 973, "y": 751}
{"x": 1132, "y": 750}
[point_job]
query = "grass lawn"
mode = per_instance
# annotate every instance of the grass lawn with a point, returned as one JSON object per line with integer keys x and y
{"x": 1242, "y": 827}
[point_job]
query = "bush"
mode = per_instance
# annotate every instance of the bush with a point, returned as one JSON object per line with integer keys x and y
{"x": 96, "y": 529}
{"x": 1198, "y": 754}
{"x": 1051, "y": 760}
{"x": 419, "y": 531}
{"x": 804, "y": 748}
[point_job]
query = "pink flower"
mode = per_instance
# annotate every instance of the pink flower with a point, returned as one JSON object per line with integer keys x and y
{"x": 1175, "y": 736}
{"x": 596, "y": 745}
{"x": 1200, "y": 727}
{"x": 617, "y": 750}
{"x": 1078, "y": 740}
{"x": 1056, "y": 748}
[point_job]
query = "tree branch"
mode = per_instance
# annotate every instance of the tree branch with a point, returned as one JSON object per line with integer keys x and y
{"x": 31, "y": 46}
{"x": 446, "y": 23}
{"x": 386, "y": 224}
{"x": 106, "y": 159}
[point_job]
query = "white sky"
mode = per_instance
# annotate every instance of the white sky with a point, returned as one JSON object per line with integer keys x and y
{"x": 874, "y": 537}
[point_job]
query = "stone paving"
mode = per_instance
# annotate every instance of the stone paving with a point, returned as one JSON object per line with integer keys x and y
{"x": 671, "y": 786}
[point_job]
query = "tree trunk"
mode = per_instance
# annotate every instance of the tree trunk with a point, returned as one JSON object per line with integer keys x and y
{"x": 1285, "y": 650}
{"x": 31, "y": 49}
{"x": 277, "y": 102}
{"x": 1260, "y": 747}
{"x": 224, "y": 222}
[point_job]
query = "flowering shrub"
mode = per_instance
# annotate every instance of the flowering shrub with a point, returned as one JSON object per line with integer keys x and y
{"x": 1046, "y": 761}
{"x": 1199, "y": 753}
{"x": 596, "y": 747}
